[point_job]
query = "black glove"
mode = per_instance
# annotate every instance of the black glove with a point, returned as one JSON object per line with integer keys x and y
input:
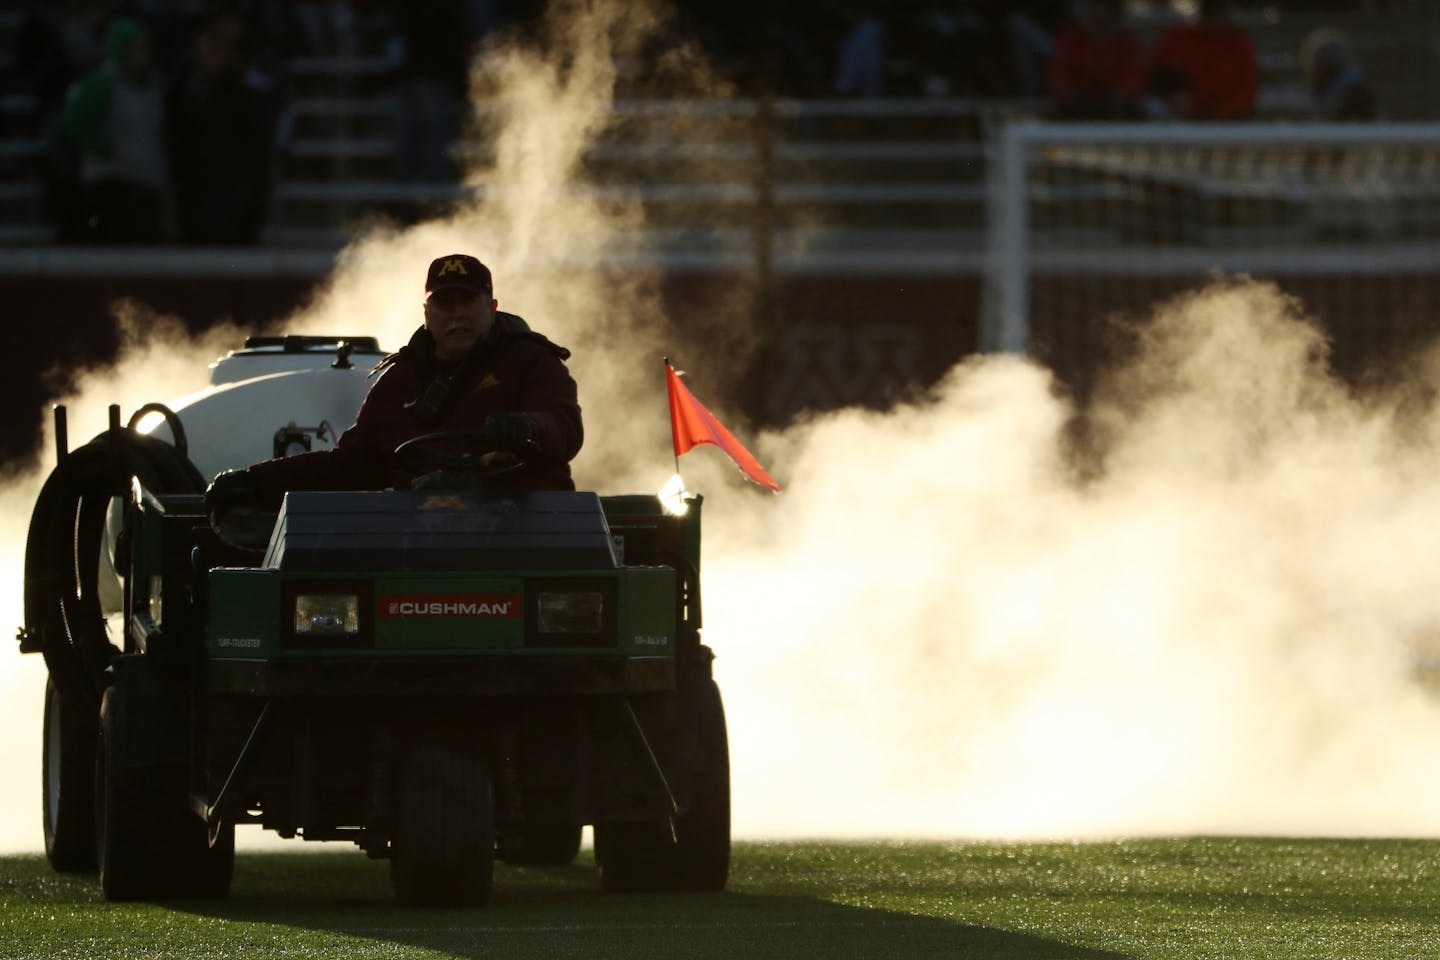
{"x": 232, "y": 488}
{"x": 510, "y": 431}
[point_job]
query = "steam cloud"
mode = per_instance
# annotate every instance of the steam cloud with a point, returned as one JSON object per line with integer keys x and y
{"x": 949, "y": 624}
{"x": 949, "y": 630}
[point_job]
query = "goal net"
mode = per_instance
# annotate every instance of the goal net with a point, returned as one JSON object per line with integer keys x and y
{"x": 1088, "y": 221}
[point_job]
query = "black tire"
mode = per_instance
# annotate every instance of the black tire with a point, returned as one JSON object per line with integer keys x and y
{"x": 702, "y": 831}
{"x": 67, "y": 780}
{"x": 123, "y": 811}
{"x": 443, "y": 847}
{"x": 149, "y": 845}
{"x": 543, "y": 844}
{"x": 695, "y": 856}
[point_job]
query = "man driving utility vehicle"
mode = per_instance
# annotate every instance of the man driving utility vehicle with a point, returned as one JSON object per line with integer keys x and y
{"x": 469, "y": 368}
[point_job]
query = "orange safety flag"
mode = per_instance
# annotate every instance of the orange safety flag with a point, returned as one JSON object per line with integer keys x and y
{"x": 692, "y": 424}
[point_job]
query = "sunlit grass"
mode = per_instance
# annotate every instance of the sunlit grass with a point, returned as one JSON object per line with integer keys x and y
{"x": 1181, "y": 898}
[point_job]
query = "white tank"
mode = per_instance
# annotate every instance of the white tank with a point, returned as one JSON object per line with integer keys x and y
{"x": 278, "y": 394}
{"x": 237, "y": 424}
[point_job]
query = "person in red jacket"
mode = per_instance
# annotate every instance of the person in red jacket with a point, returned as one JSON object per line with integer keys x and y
{"x": 1098, "y": 69}
{"x": 470, "y": 367}
{"x": 1219, "y": 60}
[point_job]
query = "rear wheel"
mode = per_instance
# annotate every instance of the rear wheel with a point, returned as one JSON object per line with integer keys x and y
{"x": 67, "y": 774}
{"x": 444, "y": 840}
{"x": 543, "y": 844}
{"x": 150, "y": 845}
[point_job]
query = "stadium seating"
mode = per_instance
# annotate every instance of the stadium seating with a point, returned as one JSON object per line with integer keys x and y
{"x": 898, "y": 180}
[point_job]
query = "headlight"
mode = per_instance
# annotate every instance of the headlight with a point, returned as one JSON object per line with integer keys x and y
{"x": 327, "y": 615}
{"x": 157, "y": 597}
{"x": 571, "y": 611}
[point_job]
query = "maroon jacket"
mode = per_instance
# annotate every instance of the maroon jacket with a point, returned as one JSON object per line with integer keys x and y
{"x": 1220, "y": 62}
{"x": 512, "y": 370}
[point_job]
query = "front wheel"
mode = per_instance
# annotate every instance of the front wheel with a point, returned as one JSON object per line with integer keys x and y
{"x": 443, "y": 848}
{"x": 150, "y": 846}
{"x": 67, "y": 776}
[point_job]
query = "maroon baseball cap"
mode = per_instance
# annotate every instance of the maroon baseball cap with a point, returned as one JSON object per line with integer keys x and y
{"x": 458, "y": 271}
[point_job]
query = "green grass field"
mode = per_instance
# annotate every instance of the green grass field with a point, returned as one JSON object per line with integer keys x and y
{"x": 1181, "y": 898}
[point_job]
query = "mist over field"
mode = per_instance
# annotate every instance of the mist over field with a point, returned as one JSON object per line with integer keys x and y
{"x": 954, "y": 621}
{"x": 951, "y": 628}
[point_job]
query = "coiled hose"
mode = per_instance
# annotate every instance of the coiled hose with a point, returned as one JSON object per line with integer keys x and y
{"x": 63, "y": 615}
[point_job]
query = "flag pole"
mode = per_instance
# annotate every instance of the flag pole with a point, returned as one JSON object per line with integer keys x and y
{"x": 672, "y": 415}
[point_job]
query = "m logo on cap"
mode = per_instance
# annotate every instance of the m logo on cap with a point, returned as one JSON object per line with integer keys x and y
{"x": 457, "y": 270}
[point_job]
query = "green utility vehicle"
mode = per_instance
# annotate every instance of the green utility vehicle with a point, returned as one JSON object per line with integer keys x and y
{"x": 443, "y": 676}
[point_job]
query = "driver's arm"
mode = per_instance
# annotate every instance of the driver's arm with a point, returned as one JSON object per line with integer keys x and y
{"x": 344, "y": 468}
{"x": 357, "y": 461}
{"x": 549, "y": 397}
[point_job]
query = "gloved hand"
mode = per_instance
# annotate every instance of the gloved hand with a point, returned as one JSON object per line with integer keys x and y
{"x": 509, "y": 431}
{"x": 230, "y": 489}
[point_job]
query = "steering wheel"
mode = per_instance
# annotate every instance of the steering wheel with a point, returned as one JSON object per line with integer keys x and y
{"x": 244, "y": 527}
{"x": 467, "y": 452}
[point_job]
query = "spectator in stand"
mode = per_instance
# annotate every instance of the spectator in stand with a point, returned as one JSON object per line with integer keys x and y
{"x": 1338, "y": 85}
{"x": 220, "y": 121}
{"x": 1218, "y": 59}
{"x": 1098, "y": 69}
{"x": 860, "y": 62}
{"x": 115, "y": 116}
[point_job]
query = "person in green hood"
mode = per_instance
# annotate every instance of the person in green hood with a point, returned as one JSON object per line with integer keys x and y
{"x": 115, "y": 117}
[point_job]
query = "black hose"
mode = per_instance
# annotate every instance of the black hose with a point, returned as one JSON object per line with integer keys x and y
{"x": 62, "y": 603}
{"x": 177, "y": 429}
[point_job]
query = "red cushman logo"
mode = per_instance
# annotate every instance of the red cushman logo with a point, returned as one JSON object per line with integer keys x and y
{"x": 451, "y": 605}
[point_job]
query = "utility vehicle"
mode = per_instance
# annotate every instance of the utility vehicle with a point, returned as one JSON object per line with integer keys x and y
{"x": 443, "y": 675}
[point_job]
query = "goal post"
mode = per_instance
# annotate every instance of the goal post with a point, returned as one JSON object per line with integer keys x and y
{"x": 1090, "y": 219}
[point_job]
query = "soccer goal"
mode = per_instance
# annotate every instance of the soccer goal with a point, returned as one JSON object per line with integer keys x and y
{"x": 1091, "y": 220}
